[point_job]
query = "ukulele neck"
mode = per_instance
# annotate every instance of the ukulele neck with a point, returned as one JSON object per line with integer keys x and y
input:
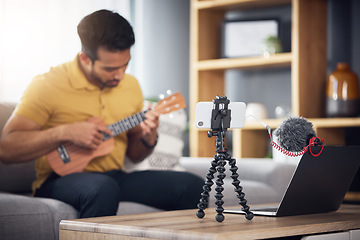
{"x": 125, "y": 124}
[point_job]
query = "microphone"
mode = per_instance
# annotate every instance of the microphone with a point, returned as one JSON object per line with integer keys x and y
{"x": 294, "y": 134}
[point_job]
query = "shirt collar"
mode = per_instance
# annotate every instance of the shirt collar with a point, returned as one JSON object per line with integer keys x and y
{"x": 77, "y": 77}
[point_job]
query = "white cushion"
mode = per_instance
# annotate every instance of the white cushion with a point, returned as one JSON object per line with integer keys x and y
{"x": 170, "y": 145}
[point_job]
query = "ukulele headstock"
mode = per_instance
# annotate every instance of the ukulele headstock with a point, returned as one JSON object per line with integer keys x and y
{"x": 171, "y": 103}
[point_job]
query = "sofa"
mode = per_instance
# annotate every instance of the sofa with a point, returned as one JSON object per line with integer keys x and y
{"x": 25, "y": 217}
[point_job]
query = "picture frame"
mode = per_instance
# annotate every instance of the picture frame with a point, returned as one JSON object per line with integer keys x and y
{"x": 246, "y": 37}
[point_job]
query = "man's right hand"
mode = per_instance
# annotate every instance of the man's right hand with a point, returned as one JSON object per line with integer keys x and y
{"x": 86, "y": 133}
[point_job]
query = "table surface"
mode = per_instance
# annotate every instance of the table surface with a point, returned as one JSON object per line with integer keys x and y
{"x": 185, "y": 225}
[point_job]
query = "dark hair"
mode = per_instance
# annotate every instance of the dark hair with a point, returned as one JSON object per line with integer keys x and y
{"x": 106, "y": 29}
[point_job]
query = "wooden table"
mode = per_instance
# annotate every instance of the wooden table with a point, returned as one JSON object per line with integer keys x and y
{"x": 185, "y": 225}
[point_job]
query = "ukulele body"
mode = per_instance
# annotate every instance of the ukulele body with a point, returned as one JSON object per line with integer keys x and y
{"x": 78, "y": 157}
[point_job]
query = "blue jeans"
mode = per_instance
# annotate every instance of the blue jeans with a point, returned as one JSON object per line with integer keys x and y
{"x": 98, "y": 194}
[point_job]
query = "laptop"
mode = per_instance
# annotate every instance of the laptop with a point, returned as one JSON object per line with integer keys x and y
{"x": 319, "y": 184}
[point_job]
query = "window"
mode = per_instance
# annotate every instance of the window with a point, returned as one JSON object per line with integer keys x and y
{"x": 38, "y": 34}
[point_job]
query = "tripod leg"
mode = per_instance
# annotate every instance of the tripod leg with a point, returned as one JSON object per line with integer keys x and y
{"x": 204, "y": 201}
{"x": 248, "y": 214}
{"x": 219, "y": 188}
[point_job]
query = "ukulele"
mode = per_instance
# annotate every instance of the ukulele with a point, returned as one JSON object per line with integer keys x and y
{"x": 70, "y": 158}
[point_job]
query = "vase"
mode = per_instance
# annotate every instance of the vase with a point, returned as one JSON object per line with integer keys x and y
{"x": 342, "y": 92}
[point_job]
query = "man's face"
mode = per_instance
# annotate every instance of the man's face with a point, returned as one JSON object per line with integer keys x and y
{"x": 109, "y": 69}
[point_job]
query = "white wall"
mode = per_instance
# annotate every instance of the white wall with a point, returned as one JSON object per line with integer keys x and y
{"x": 161, "y": 52}
{"x": 38, "y": 34}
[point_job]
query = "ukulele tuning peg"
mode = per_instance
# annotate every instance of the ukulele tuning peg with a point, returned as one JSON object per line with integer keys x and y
{"x": 169, "y": 92}
{"x": 161, "y": 96}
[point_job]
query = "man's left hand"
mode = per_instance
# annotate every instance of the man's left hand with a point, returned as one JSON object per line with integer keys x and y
{"x": 149, "y": 127}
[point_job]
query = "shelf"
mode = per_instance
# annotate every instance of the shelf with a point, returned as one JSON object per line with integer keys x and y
{"x": 275, "y": 60}
{"x": 307, "y": 62}
{"x": 256, "y": 125}
{"x": 238, "y": 4}
{"x": 335, "y": 122}
{"x": 317, "y": 123}
{"x": 332, "y": 130}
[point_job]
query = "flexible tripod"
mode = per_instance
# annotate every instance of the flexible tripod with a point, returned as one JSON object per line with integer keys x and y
{"x": 220, "y": 121}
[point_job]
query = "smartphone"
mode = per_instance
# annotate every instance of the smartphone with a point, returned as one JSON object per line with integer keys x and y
{"x": 204, "y": 111}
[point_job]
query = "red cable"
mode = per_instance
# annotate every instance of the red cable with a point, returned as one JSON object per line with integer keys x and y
{"x": 312, "y": 141}
{"x": 296, "y": 154}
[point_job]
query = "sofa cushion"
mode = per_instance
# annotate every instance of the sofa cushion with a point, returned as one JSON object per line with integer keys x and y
{"x": 126, "y": 208}
{"x": 24, "y": 217}
{"x": 59, "y": 211}
{"x": 255, "y": 193}
{"x": 17, "y": 178}
{"x": 263, "y": 180}
{"x": 170, "y": 145}
{"x": 6, "y": 110}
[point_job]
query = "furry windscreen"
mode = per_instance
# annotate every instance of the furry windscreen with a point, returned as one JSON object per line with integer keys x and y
{"x": 294, "y": 133}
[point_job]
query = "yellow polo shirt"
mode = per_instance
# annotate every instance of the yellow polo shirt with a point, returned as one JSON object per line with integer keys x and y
{"x": 63, "y": 95}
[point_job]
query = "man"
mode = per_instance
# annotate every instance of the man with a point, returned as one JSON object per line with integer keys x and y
{"x": 56, "y": 108}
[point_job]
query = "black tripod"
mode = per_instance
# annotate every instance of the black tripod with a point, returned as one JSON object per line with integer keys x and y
{"x": 220, "y": 121}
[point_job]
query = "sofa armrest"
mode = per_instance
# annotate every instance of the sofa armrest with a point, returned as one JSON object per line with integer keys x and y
{"x": 6, "y": 109}
{"x": 17, "y": 177}
{"x": 197, "y": 166}
{"x": 275, "y": 174}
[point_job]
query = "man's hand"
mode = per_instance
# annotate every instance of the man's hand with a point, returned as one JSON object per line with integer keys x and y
{"x": 145, "y": 133}
{"x": 149, "y": 127}
{"x": 86, "y": 133}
